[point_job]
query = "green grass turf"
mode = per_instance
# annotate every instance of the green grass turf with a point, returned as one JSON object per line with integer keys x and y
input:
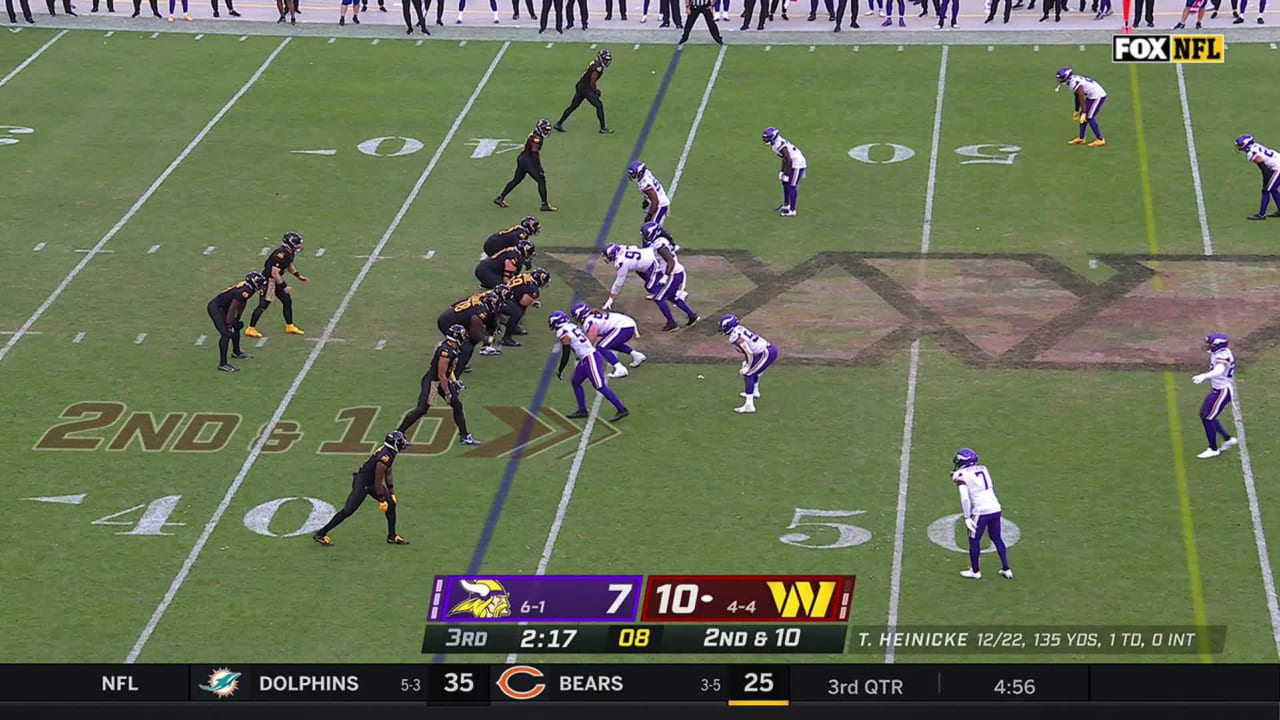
{"x": 1084, "y": 456}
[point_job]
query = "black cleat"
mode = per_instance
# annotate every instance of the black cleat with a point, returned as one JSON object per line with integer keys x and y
{"x": 693, "y": 319}
{"x": 321, "y": 538}
{"x": 1259, "y": 216}
{"x": 605, "y": 131}
{"x": 508, "y": 342}
{"x": 233, "y": 13}
{"x": 397, "y": 540}
{"x": 242, "y": 356}
{"x": 469, "y": 440}
{"x": 228, "y": 367}
{"x": 558, "y": 128}
{"x": 546, "y": 207}
{"x": 1275, "y": 213}
{"x": 621, "y": 414}
{"x": 520, "y": 331}
{"x": 355, "y": 19}
{"x": 500, "y": 201}
{"x": 670, "y": 326}
{"x": 577, "y": 415}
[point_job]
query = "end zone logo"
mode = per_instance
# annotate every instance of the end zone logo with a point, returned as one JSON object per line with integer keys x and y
{"x": 1168, "y": 48}
{"x": 507, "y": 687}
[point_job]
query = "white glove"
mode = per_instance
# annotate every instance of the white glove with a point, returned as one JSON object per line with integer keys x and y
{"x": 972, "y": 525}
{"x": 607, "y": 304}
{"x": 743, "y": 370}
{"x": 1197, "y": 379}
{"x": 537, "y": 303}
{"x": 782, "y": 176}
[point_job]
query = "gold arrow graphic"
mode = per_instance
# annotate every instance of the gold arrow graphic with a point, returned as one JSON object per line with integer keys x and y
{"x": 600, "y": 433}
{"x": 515, "y": 418}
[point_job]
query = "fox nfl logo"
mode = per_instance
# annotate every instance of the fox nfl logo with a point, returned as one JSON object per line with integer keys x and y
{"x": 1168, "y": 48}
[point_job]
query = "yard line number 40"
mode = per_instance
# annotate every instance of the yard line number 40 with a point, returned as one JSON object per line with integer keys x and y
{"x": 942, "y": 532}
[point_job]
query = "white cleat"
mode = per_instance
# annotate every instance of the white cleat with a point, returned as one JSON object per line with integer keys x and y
{"x": 1230, "y": 443}
{"x": 637, "y": 358}
{"x": 747, "y": 407}
{"x": 619, "y": 371}
{"x": 971, "y": 574}
{"x": 1008, "y": 574}
{"x": 1209, "y": 453}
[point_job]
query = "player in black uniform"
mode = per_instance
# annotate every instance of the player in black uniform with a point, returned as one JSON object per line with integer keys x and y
{"x": 504, "y": 264}
{"x": 441, "y": 379}
{"x": 503, "y": 239}
{"x": 587, "y": 89}
{"x": 478, "y": 315}
{"x": 225, "y": 310}
{"x": 525, "y": 289}
{"x": 278, "y": 263}
{"x": 530, "y": 163}
{"x": 373, "y": 478}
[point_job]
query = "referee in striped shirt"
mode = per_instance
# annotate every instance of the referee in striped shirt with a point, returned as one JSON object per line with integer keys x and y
{"x": 694, "y": 8}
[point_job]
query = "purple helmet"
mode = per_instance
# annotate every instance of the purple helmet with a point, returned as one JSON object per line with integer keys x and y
{"x": 965, "y": 458}
{"x": 649, "y": 231}
{"x": 769, "y": 134}
{"x": 1216, "y": 341}
{"x": 1243, "y": 142}
{"x": 636, "y": 169}
{"x": 1064, "y": 73}
{"x": 556, "y": 319}
{"x": 727, "y": 323}
{"x": 579, "y": 311}
{"x": 610, "y": 252}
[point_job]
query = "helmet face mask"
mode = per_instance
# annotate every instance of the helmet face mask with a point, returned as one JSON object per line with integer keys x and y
{"x": 293, "y": 241}
{"x": 531, "y": 224}
{"x": 541, "y": 277}
{"x": 636, "y": 169}
{"x": 457, "y": 334}
{"x": 396, "y": 441}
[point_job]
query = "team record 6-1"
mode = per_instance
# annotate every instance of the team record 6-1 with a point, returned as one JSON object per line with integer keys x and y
{"x": 1156, "y": 640}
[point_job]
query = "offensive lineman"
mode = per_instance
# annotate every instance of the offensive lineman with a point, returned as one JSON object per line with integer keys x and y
{"x": 372, "y": 479}
{"x": 981, "y": 511}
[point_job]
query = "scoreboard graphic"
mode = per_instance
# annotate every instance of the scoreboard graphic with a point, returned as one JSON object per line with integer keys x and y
{"x": 639, "y": 614}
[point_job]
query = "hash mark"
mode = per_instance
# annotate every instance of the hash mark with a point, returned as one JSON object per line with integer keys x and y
{"x": 320, "y": 252}
{"x": 155, "y": 35}
{"x": 767, "y": 48}
{"x": 1036, "y": 48}
{"x": 332, "y": 39}
{"x": 857, "y": 48}
{"x": 153, "y": 250}
{"x": 79, "y": 336}
{"x": 200, "y": 340}
{"x": 209, "y": 250}
{"x": 380, "y": 344}
{"x": 375, "y": 41}
{"x": 265, "y": 250}
{"x": 419, "y": 43}
{"x": 550, "y": 45}
{"x": 140, "y": 338}
{"x": 899, "y": 47}
{"x": 812, "y": 48}
{"x": 1081, "y": 48}
{"x": 261, "y": 342}
{"x": 243, "y": 38}
{"x": 637, "y": 46}
{"x": 991, "y": 48}
{"x": 109, "y": 33}
{"x": 1273, "y": 46}
{"x": 200, "y": 36}
{"x": 39, "y": 246}
{"x": 430, "y": 254}
{"x": 462, "y": 43}
{"x": 593, "y": 46}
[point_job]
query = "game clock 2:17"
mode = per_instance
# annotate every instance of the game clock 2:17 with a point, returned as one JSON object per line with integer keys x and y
{"x": 1015, "y": 687}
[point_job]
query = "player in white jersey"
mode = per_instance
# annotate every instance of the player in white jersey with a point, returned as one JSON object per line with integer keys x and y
{"x": 669, "y": 282}
{"x": 981, "y": 510}
{"x": 1222, "y": 381}
{"x": 793, "y": 166}
{"x": 590, "y": 365}
{"x": 656, "y": 204}
{"x": 609, "y": 332}
{"x": 1089, "y": 95}
{"x": 630, "y": 259}
{"x": 757, "y": 355}
{"x": 1268, "y": 161}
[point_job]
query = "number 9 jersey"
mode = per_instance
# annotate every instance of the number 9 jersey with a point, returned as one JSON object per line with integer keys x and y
{"x": 977, "y": 478}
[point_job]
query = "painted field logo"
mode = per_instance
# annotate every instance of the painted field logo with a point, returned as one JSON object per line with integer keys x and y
{"x": 800, "y": 599}
{"x": 1168, "y": 48}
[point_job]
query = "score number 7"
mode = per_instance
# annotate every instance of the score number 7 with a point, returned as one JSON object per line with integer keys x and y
{"x": 622, "y": 591}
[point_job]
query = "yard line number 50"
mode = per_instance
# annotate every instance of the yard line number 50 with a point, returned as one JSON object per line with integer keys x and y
{"x": 980, "y": 154}
{"x": 941, "y": 532}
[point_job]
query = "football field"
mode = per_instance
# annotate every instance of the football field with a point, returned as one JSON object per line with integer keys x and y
{"x": 957, "y": 276}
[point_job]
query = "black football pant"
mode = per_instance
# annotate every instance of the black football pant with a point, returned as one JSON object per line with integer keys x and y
{"x": 1138, "y": 14}
{"x": 749, "y": 6}
{"x": 137, "y": 8}
{"x": 286, "y": 303}
{"x": 1056, "y": 7}
{"x": 66, "y": 6}
{"x": 582, "y": 12}
{"x": 424, "y": 404}
{"x": 111, "y": 6}
{"x": 226, "y": 336}
{"x": 546, "y": 10}
{"x": 608, "y": 9}
{"x": 26, "y": 10}
{"x": 994, "y": 4}
{"x": 774, "y": 8}
{"x": 670, "y": 12}
{"x": 417, "y": 5}
{"x": 359, "y": 491}
{"x": 489, "y": 273}
{"x": 214, "y": 3}
{"x": 853, "y": 17}
{"x": 591, "y": 97}
{"x": 526, "y": 165}
{"x": 515, "y": 7}
{"x": 705, "y": 13}
{"x": 515, "y": 313}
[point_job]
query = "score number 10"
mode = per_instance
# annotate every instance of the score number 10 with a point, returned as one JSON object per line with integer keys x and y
{"x": 677, "y": 600}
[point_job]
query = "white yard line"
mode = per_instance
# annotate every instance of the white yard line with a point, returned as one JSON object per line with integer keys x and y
{"x": 39, "y": 51}
{"x": 133, "y": 210}
{"x": 1246, "y": 463}
{"x": 571, "y": 482}
{"x": 913, "y": 376}
{"x": 324, "y": 338}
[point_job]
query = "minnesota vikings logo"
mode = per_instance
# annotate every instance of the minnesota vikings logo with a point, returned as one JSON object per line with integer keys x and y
{"x": 485, "y": 599}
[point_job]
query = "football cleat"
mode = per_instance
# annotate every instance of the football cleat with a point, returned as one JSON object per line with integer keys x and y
{"x": 531, "y": 223}
{"x": 786, "y": 212}
{"x": 228, "y": 367}
{"x": 747, "y": 407}
{"x": 964, "y": 458}
{"x": 727, "y": 323}
{"x": 577, "y": 415}
{"x": 1216, "y": 341}
{"x": 769, "y": 134}
{"x": 1100, "y": 142}
{"x": 293, "y": 329}
{"x": 546, "y": 207}
{"x": 558, "y": 127}
{"x": 242, "y": 356}
{"x": 636, "y": 169}
{"x": 1076, "y": 141}
{"x": 322, "y": 539}
{"x": 1229, "y": 443}
{"x": 1006, "y": 573}
{"x": 606, "y": 131}
{"x": 468, "y": 439}
{"x": 293, "y": 241}
{"x": 397, "y": 540}
{"x": 500, "y": 201}
{"x": 396, "y": 440}
{"x": 252, "y": 332}
{"x": 619, "y": 371}
{"x": 579, "y": 311}
{"x": 692, "y": 320}
{"x": 670, "y": 326}
{"x": 1258, "y": 216}
{"x": 971, "y": 574}
{"x": 637, "y": 357}
{"x": 490, "y": 350}
{"x": 508, "y": 342}
{"x": 621, "y": 414}
{"x": 556, "y": 319}
{"x": 1209, "y": 453}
